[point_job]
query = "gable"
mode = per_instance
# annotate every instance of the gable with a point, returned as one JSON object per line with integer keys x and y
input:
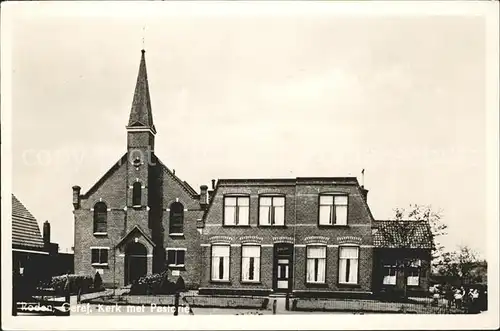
{"x": 183, "y": 184}
{"x": 106, "y": 176}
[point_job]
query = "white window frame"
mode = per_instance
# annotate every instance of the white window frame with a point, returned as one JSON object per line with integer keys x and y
{"x": 256, "y": 264}
{"x": 353, "y": 267}
{"x": 99, "y": 263}
{"x": 309, "y": 265}
{"x": 269, "y": 211}
{"x": 332, "y": 208}
{"x": 388, "y": 278}
{"x": 236, "y": 213}
{"x": 414, "y": 280}
{"x": 177, "y": 250}
{"x": 214, "y": 265}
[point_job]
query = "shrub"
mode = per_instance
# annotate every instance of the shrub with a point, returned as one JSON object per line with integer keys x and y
{"x": 97, "y": 282}
{"x": 71, "y": 283}
{"x": 153, "y": 284}
{"x": 180, "y": 285}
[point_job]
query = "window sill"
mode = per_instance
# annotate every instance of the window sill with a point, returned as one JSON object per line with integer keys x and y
{"x": 271, "y": 226}
{"x": 137, "y": 206}
{"x": 178, "y": 235}
{"x": 177, "y": 266}
{"x": 100, "y": 234}
{"x": 236, "y": 226}
{"x": 333, "y": 225}
{"x": 312, "y": 284}
{"x": 100, "y": 264}
{"x": 251, "y": 282}
{"x": 348, "y": 285}
{"x": 215, "y": 281}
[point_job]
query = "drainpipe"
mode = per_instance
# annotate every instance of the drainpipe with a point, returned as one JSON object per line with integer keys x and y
{"x": 294, "y": 235}
{"x": 114, "y": 270}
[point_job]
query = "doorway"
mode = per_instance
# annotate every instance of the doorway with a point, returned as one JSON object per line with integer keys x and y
{"x": 136, "y": 263}
{"x": 283, "y": 267}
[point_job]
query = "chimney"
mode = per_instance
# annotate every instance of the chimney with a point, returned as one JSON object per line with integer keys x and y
{"x": 46, "y": 233}
{"x": 203, "y": 195}
{"x": 364, "y": 192}
{"x": 76, "y": 196}
{"x": 213, "y": 184}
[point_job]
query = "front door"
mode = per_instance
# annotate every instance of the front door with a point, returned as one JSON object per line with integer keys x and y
{"x": 283, "y": 266}
{"x": 135, "y": 262}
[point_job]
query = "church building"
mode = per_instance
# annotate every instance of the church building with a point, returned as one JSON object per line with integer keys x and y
{"x": 139, "y": 218}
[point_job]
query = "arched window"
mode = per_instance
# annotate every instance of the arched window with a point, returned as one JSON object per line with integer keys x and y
{"x": 176, "y": 218}
{"x": 100, "y": 217}
{"x": 136, "y": 194}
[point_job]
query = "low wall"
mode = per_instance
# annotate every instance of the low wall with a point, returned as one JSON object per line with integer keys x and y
{"x": 367, "y": 306}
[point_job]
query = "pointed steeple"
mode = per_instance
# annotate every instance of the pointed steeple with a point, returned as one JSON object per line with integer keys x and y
{"x": 140, "y": 114}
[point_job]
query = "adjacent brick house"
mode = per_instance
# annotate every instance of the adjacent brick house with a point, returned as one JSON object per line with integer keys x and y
{"x": 306, "y": 236}
{"x": 139, "y": 218}
{"x": 34, "y": 257}
{"x": 402, "y": 254}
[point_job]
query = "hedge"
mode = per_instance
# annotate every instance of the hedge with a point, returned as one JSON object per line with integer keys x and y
{"x": 73, "y": 284}
{"x": 156, "y": 284}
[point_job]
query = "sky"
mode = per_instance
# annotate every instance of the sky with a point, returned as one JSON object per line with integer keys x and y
{"x": 257, "y": 96}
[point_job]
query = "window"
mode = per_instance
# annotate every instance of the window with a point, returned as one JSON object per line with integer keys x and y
{"x": 413, "y": 274}
{"x": 316, "y": 264}
{"x": 136, "y": 194}
{"x": 348, "y": 265}
{"x": 236, "y": 210}
{"x": 250, "y": 263}
{"x": 389, "y": 275}
{"x": 333, "y": 210}
{"x": 100, "y": 218}
{"x": 272, "y": 210}
{"x": 99, "y": 255}
{"x": 176, "y": 257}
{"x": 220, "y": 262}
{"x": 176, "y": 225}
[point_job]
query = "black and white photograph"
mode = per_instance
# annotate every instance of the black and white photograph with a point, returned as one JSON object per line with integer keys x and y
{"x": 208, "y": 165}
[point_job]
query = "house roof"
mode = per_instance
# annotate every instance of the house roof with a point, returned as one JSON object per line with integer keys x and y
{"x": 290, "y": 181}
{"x": 25, "y": 230}
{"x": 402, "y": 234}
{"x": 141, "y": 114}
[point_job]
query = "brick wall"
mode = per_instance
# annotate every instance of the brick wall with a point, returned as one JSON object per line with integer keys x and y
{"x": 113, "y": 193}
{"x": 301, "y": 226}
{"x": 161, "y": 189}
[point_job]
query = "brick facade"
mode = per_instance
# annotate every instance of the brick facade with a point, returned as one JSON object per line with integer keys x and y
{"x": 139, "y": 193}
{"x": 301, "y": 229}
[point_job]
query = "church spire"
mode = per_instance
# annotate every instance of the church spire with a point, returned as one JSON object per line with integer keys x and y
{"x": 140, "y": 114}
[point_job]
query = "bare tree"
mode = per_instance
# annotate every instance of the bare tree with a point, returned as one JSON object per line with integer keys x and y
{"x": 462, "y": 265}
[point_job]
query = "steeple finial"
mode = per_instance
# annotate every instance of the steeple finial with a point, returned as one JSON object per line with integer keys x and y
{"x": 140, "y": 114}
{"x": 143, "y": 37}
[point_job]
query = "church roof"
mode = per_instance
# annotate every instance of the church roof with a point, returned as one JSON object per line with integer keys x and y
{"x": 25, "y": 230}
{"x": 141, "y": 114}
{"x": 123, "y": 160}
